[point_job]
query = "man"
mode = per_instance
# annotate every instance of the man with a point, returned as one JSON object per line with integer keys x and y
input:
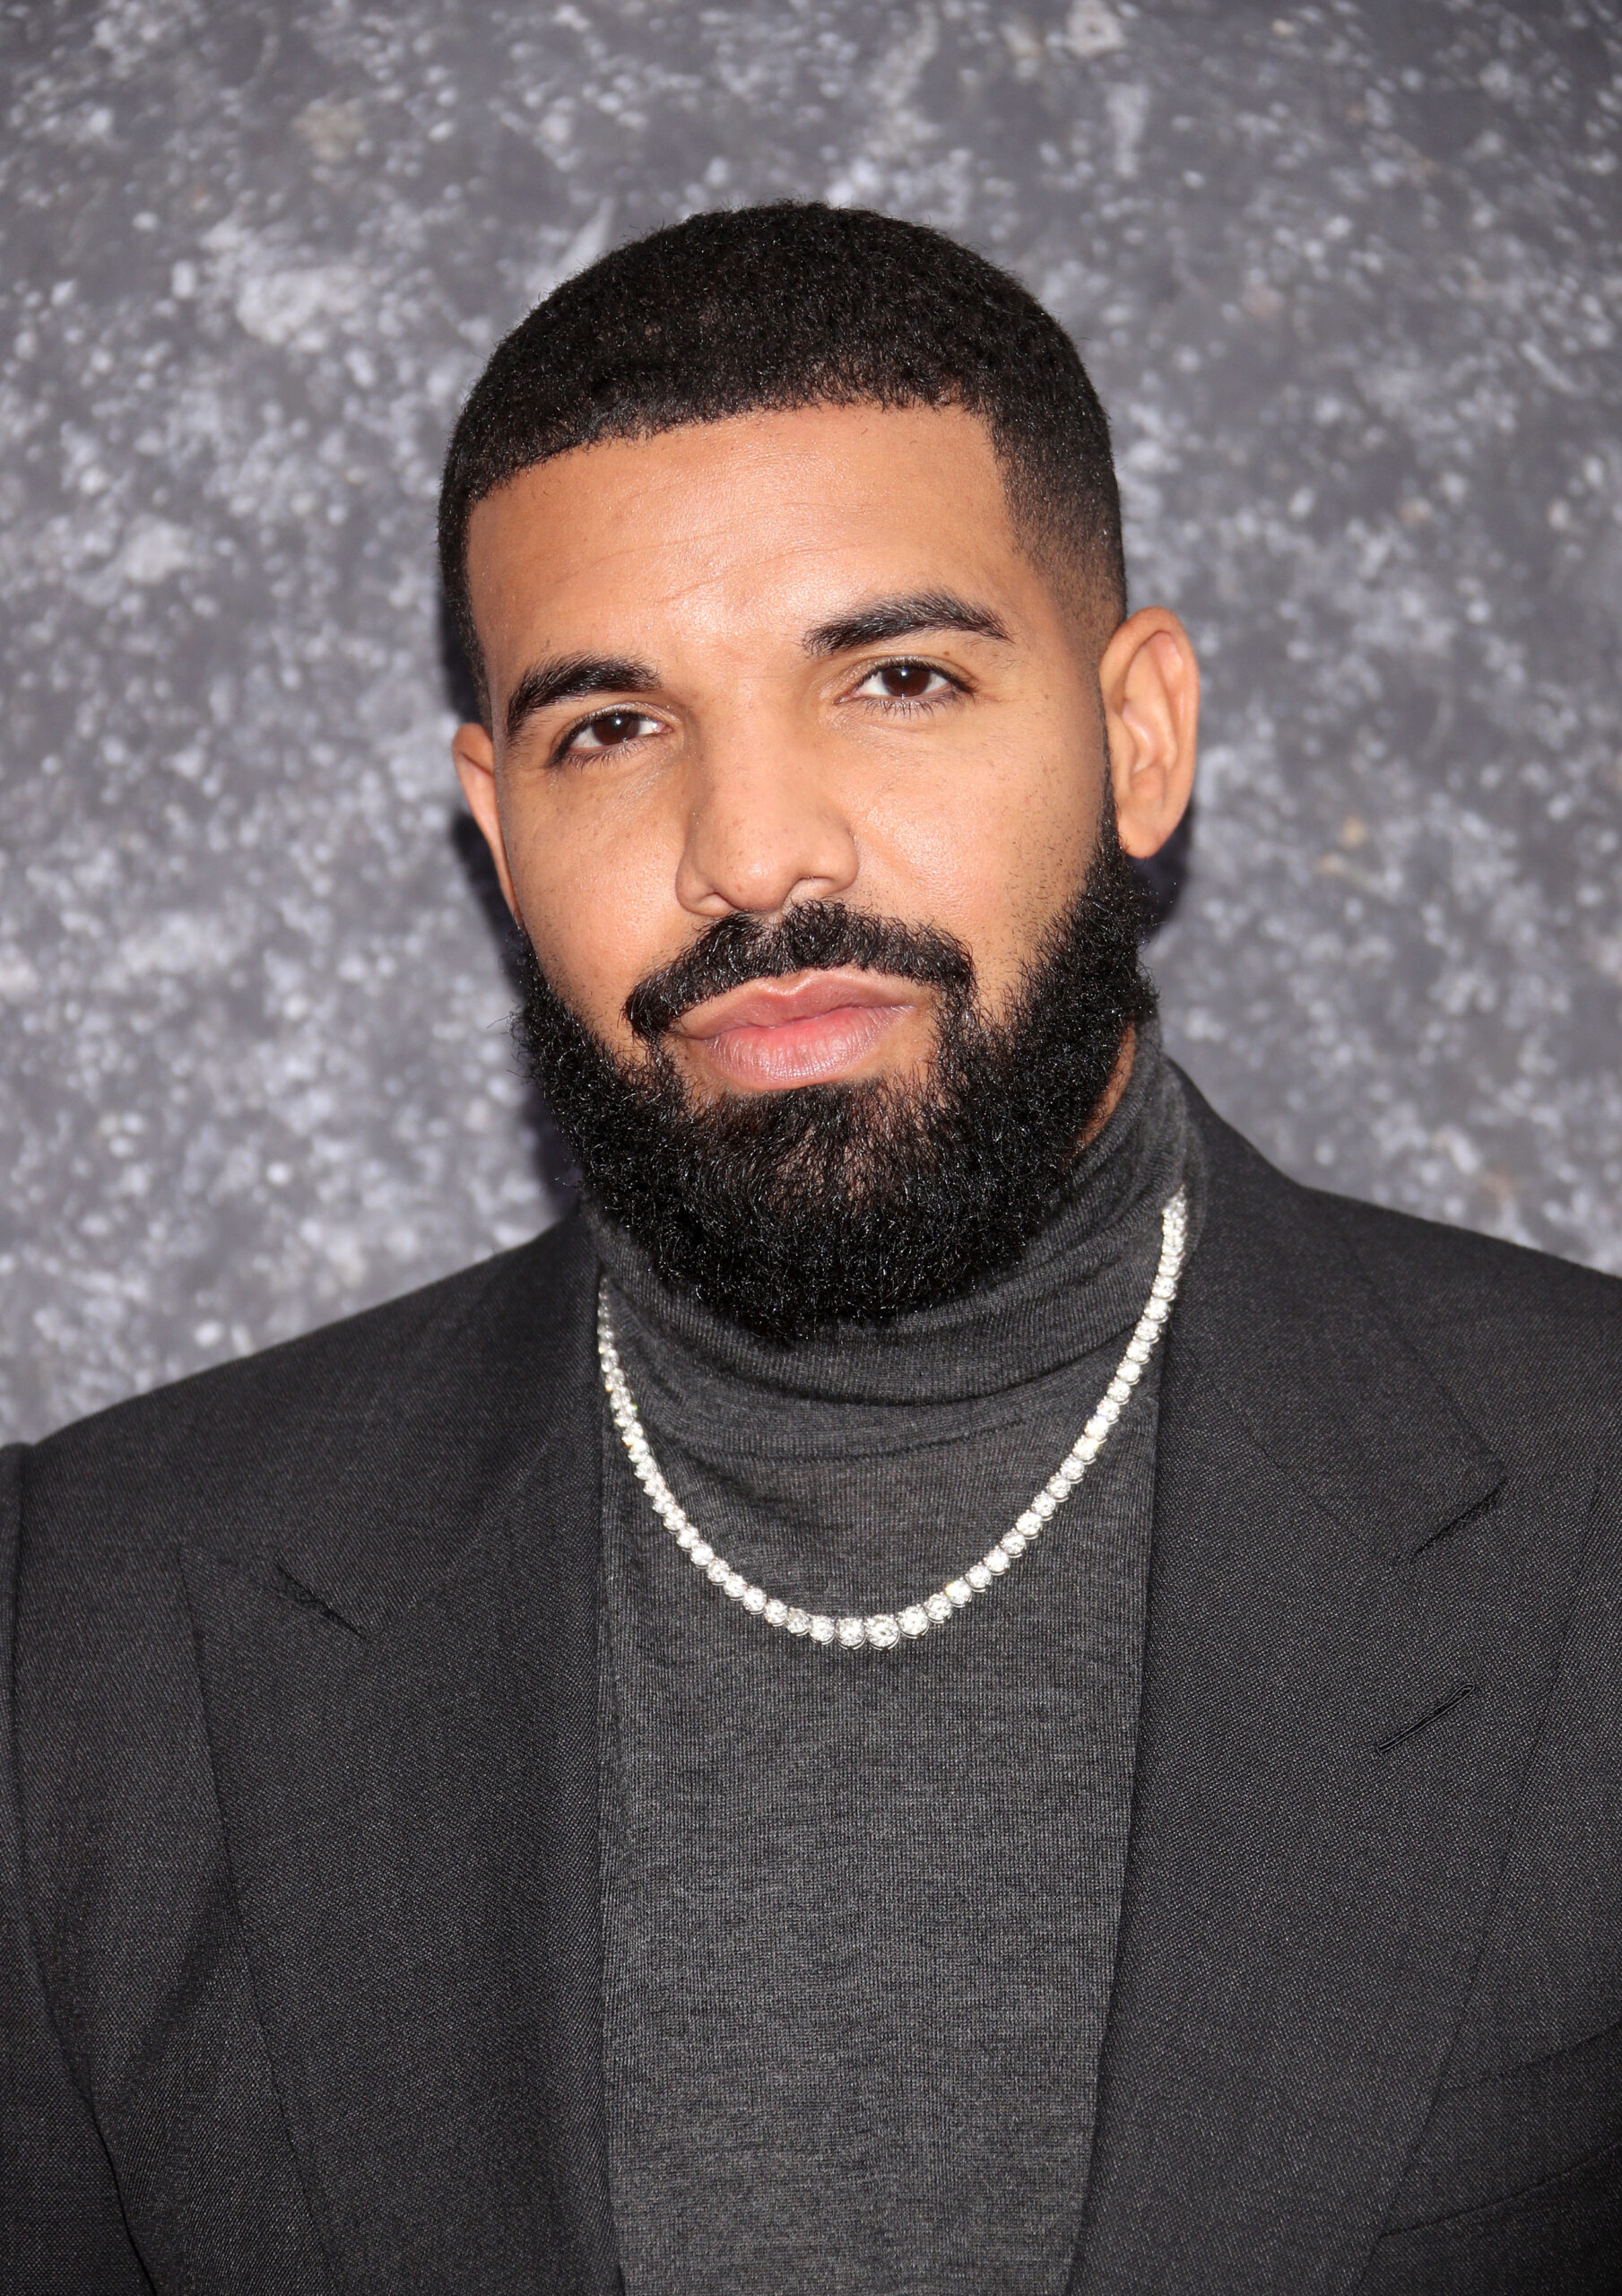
{"x": 954, "y": 1687}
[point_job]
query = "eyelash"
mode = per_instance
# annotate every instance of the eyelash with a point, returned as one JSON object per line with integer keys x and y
{"x": 567, "y": 740}
{"x": 894, "y": 705}
{"x": 908, "y": 705}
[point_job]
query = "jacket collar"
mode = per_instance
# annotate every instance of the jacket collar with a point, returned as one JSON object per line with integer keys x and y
{"x": 1289, "y": 1334}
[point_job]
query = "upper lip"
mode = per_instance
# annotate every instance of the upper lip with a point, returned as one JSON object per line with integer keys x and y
{"x": 798, "y": 996}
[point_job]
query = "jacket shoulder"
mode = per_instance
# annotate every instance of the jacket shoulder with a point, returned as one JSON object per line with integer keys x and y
{"x": 1529, "y": 1345}
{"x": 1470, "y": 1270}
{"x": 1457, "y": 1276}
{"x": 386, "y": 1413}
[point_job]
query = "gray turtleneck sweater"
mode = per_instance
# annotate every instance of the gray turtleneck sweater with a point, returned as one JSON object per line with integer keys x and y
{"x": 860, "y": 1907}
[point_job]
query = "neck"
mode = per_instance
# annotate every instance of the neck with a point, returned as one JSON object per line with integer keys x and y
{"x": 1109, "y": 1100}
{"x": 1073, "y": 1287}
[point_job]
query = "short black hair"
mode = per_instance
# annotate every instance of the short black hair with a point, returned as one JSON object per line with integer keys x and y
{"x": 794, "y": 304}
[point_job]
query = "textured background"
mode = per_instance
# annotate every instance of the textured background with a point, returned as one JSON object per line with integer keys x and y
{"x": 1348, "y": 278}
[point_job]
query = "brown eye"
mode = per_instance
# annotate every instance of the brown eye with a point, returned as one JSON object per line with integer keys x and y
{"x": 615, "y": 726}
{"x": 909, "y": 681}
{"x": 610, "y": 729}
{"x": 906, "y": 681}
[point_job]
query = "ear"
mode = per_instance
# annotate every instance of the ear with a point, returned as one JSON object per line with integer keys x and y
{"x": 1151, "y": 684}
{"x": 475, "y": 754}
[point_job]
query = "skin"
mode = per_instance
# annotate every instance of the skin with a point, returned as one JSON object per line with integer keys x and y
{"x": 755, "y": 746}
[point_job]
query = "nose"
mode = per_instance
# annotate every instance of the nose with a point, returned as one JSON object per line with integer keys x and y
{"x": 764, "y": 829}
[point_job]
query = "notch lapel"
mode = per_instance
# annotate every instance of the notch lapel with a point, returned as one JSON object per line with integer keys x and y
{"x": 1351, "y": 1633}
{"x": 407, "y": 1777}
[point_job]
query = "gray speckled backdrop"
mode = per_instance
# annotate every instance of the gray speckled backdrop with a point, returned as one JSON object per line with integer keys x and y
{"x": 1349, "y": 278}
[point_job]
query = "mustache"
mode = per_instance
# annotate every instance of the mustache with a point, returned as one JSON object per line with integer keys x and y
{"x": 815, "y": 936}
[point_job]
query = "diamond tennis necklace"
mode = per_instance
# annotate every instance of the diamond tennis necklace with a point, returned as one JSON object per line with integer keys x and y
{"x": 885, "y": 1629}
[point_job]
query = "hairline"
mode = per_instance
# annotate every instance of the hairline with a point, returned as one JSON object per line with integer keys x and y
{"x": 1082, "y": 585}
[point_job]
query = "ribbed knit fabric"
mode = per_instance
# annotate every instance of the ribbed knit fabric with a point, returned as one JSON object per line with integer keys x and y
{"x": 860, "y": 1907}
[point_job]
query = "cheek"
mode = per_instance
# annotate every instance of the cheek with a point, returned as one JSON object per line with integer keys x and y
{"x": 992, "y": 852}
{"x": 595, "y": 892}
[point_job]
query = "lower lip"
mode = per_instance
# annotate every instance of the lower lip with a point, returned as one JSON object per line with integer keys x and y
{"x": 816, "y": 1050}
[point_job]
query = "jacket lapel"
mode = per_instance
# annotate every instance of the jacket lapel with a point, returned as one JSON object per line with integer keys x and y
{"x": 1351, "y": 1633}
{"x": 404, "y": 1734}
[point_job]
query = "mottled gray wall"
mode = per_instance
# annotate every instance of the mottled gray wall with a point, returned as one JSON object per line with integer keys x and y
{"x": 1348, "y": 277}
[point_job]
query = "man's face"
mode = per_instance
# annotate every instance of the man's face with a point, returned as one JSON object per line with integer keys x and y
{"x": 788, "y": 659}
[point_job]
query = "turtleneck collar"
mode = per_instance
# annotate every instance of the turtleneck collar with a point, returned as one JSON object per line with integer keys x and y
{"x": 1079, "y": 1284}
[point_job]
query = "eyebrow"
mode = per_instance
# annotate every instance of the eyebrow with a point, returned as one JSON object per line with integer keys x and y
{"x": 573, "y": 677}
{"x": 903, "y": 617}
{"x": 570, "y": 677}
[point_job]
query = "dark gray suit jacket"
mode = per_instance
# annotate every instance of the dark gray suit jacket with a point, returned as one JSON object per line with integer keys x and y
{"x": 300, "y": 1981}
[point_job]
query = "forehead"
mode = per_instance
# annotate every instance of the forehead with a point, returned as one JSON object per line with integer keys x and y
{"x": 724, "y": 528}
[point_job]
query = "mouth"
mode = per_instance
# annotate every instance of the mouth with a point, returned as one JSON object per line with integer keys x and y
{"x": 809, "y": 1028}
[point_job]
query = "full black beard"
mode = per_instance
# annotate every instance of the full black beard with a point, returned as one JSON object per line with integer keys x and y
{"x": 791, "y": 1211}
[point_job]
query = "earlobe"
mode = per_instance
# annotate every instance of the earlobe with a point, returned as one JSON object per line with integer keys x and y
{"x": 1149, "y": 680}
{"x": 474, "y": 754}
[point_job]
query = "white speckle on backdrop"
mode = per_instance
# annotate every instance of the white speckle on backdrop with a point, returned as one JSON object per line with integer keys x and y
{"x": 1347, "y": 278}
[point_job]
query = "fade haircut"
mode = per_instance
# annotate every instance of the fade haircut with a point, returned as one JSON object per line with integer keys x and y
{"x": 759, "y": 310}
